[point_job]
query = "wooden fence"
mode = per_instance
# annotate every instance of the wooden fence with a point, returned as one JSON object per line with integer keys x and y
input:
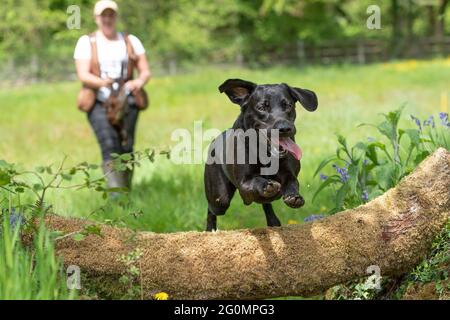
{"x": 364, "y": 51}
{"x": 354, "y": 52}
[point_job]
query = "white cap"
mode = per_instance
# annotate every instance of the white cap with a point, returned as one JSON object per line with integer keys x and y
{"x": 102, "y": 5}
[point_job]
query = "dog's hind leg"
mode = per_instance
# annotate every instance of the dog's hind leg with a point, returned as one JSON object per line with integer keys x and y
{"x": 211, "y": 222}
{"x": 272, "y": 220}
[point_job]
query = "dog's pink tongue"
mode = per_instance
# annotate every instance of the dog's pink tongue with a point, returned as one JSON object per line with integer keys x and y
{"x": 289, "y": 145}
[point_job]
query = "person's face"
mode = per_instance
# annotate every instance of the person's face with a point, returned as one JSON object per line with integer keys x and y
{"x": 106, "y": 22}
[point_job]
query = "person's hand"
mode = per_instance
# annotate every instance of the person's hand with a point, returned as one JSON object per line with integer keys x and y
{"x": 134, "y": 85}
{"x": 107, "y": 82}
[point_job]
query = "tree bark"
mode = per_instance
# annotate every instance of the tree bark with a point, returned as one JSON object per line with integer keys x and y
{"x": 440, "y": 25}
{"x": 393, "y": 232}
{"x": 396, "y": 34}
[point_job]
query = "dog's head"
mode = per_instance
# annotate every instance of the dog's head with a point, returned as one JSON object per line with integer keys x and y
{"x": 270, "y": 107}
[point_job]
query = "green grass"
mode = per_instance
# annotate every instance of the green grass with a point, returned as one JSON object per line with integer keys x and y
{"x": 39, "y": 124}
{"x": 30, "y": 273}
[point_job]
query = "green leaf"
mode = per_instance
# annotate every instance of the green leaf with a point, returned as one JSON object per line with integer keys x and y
{"x": 20, "y": 190}
{"x": 414, "y": 136}
{"x": 4, "y": 164}
{"x": 421, "y": 156}
{"x": 37, "y": 187}
{"x": 384, "y": 176}
{"x": 78, "y": 237}
{"x": 126, "y": 157}
{"x": 382, "y": 147}
{"x": 361, "y": 145}
{"x": 386, "y": 129}
{"x": 342, "y": 141}
{"x": 326, "y": 183}
{"x": 323, "y": 164}
{"x": 341, "y": 194}
{"x": 40, "y": 169}
{"x": 67, "y": 177}
{"x": 393, "y": 117}
{"x": 5, "y": 178}
{"x": 353, "y": 173}
{"x": 371, "y": 154}
{"x": 92, "y": 229}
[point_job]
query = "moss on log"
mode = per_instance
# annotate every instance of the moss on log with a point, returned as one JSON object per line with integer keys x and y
{"x": 394, "y": 232}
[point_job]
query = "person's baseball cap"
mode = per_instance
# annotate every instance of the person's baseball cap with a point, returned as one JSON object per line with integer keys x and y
{"x": 102, "y": 5}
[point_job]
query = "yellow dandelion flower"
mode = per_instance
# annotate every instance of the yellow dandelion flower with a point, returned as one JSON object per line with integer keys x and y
{"x": 161, "y": 296}
{"x": 292, "y": 222}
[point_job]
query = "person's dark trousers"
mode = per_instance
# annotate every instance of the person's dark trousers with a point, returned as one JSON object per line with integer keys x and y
{"x": 110, "y": 142}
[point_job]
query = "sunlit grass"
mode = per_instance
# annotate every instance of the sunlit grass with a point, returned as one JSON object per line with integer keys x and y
{"x": 33, "y": 272}
{"x": 40, "y": 124}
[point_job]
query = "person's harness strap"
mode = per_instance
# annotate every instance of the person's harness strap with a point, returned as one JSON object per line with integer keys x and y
{"x": 87, "y": 96}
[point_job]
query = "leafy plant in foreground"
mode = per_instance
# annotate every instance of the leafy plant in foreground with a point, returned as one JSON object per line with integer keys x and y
{"x": 368, "y": 169}
{"x": 31, "y": 270}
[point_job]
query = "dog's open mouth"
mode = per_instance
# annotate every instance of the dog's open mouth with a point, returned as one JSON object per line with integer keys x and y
{"x": 280, "y": 147}
{"x": 286, "y": 145}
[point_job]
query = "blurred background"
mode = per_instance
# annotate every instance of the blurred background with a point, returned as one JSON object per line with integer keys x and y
{"x": 193, "y": 46}
{"x": 36, "y": 44}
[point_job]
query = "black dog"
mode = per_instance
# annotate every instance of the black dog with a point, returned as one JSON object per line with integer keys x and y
{"x": 264, "y": 108}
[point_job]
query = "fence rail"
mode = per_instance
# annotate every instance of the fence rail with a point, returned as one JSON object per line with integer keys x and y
{"x": 361, "y": 51}
{"x": 366, "y": 51}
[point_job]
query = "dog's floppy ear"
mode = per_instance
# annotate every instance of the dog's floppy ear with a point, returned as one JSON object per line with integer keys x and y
{"x": 237, "y": 90}
{"x": 307, "y": 98}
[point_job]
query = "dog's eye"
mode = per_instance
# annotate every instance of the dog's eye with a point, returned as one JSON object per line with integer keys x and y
{"x": 286, "y": 105}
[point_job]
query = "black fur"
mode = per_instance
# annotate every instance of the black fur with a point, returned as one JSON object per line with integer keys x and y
{"x": 270, "y": 106}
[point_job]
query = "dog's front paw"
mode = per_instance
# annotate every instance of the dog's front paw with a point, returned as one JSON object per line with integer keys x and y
{"x": 294, "y": 200}
{"x": 271, "y": 189}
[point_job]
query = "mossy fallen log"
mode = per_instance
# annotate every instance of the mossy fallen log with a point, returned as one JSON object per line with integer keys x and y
{"x": 393, "y": 232}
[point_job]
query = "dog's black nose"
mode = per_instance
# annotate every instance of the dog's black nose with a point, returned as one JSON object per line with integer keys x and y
{"x": 284, "y": 127}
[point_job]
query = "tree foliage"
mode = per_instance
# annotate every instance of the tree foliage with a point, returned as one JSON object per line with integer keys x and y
{"x": 218, "y": 31}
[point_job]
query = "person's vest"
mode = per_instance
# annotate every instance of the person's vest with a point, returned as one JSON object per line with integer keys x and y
{"x": 87, "y": 96}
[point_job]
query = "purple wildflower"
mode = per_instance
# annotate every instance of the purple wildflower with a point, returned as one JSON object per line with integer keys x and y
{"x": 313, "y": 217}
{"x": 343, "y": 172}
{"x": 15, "y": 219}
{"x": 417, "y": 121}
{"x": 365, "y": 196}
{"x": 444, "y": 118}
{"x": 323, "y": 177}
{"x": 429, "y": 122}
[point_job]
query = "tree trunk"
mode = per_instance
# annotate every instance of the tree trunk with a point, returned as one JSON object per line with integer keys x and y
{"x": 396, "y": 34}
{"x": 431, "y": 28}
{"x": 393, "y": 232}
{"x": 440, "y": 25}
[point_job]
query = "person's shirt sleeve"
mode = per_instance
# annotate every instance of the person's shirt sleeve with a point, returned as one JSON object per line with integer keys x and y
{"x": 137, "y": 45}
{"x": 83, "y": 49}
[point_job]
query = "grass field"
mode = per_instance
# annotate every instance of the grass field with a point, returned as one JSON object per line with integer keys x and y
{"x": 39, "y": 124}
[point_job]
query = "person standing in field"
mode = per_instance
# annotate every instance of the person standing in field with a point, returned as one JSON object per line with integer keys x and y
{"x": 100, "y": 57}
